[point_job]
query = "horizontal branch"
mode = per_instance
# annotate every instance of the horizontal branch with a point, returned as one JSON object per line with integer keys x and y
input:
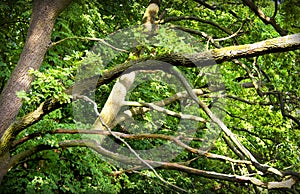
{"x": 166, "y": 111}
{"x": 140, "y": 110}
{"x": 176, "y": 140}
{"x": 288, "y": 183}
{"x": 88, "y": 39}
{"x": 281, "y": 44}
{"x": 232, "y": 178}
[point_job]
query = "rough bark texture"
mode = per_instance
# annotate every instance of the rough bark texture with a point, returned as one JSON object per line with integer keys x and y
{"x": 281, "y": 44}
{"x": 39, "y": 36}
{"x": 42, "y": 21}
{"x": 219, "y": 55}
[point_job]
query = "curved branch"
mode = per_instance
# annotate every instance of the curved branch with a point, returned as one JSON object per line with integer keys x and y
{"x": 281, "y": 44}
{"x": 201, "y": 2}
{"x": 179, "y": 18}
{"x": 288, "y": 183}
{"x": 264, "y": 18}
{"x": 176, "y": 140}
{"x": 232, "y": 35}
{"x": 166, "y": 111}
{"x": 129, "y": 113}
{"x": 91, "y": 39}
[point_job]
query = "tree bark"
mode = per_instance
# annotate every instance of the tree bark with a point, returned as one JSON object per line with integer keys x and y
{"x": 42, "y": 21}
{"x": 117, "y": 96}
{"x": 281, "y": 44}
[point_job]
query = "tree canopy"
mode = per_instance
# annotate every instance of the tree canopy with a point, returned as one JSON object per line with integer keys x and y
{"x": 149, "y": 97}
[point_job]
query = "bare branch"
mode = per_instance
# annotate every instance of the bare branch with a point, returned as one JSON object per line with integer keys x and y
{"x": 276, "y": 9}
{"x": 141, "y": 159}
{"x": 232, "y": 35}
{"x": 166, "y": 111}
{"x": 233, "y": 138}
{"x": 201, "y": 2}
{"x": 288, "y": 183}
{"x": 176, "y": 140}
{"x": 264, "y": 18}
{"x": 130, "y": 113}
{"x": 179, "y": 18}
{"x": 127, "y": 145}
{"x": 281, "y": 44}
{"x": 88, "y": 100}
{"x": 90, "y": 39}
{"x": 247, "y": 101}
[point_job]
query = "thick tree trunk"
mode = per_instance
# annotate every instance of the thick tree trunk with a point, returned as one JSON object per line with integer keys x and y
{"x": 42, "y": 21}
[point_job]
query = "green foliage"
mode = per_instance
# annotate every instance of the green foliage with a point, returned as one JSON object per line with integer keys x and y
{"x": 257, "y": 120}
{"x": 63, "y": 171}
{"x": 14, "y": 20}
{"x": 51, "y": 83}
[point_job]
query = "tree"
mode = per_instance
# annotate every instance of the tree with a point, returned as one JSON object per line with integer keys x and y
{"x": 228, "y": 125}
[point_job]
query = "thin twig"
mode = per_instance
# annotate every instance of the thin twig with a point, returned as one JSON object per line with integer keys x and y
{"x": 232, "y": 35}
{"x": 127, "y": 145}
{"x": 166, "y": 111}
{"x": 88, "y": 38}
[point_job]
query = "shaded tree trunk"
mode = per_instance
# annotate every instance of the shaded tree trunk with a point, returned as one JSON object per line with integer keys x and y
{"x": 42, "y": 21}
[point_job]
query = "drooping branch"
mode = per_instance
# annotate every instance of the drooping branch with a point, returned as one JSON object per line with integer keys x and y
{"x": 281, "y": 44}
{"x": 288, "y": 183}
{"x": 264, "y": 18}
{"x": 179, "y": 18}
{"x": 201, "y": 2}
{"x": 88, "y": 39}
{"x": 229, "y": 177}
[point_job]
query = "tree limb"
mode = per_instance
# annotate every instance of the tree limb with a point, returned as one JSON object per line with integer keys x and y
{"x": 179, "y": 18}
{"x": 281, "y": 44}
{"x": 264, "y": 18}
{"x": 288, "y": 183}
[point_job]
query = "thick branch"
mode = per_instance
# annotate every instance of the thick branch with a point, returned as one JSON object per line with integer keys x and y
{"x": 281, "y": 44}
{"x": 117, "y": 96}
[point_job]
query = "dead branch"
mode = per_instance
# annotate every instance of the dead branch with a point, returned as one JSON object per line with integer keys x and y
{"x": 287, "y": 183}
